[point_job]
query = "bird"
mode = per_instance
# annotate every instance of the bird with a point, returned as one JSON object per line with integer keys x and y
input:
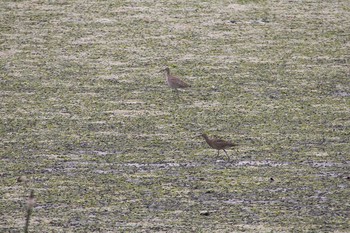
{"x": 174, "y": 82}
{"x": 218, "y": 144}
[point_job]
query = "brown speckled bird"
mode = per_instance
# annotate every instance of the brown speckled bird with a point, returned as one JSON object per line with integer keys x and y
{"x": 218, "y": 144}
{"x": 174, "y": 82}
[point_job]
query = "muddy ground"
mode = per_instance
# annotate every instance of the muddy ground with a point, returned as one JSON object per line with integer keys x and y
{"x": 107, "y": 147}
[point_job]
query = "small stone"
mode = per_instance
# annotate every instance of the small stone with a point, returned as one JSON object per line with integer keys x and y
{"x": 204, "y": 213}
{"x": 21, "y": 179}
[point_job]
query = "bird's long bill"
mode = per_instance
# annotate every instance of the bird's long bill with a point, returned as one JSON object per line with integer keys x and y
{"x": 162, "y": 70}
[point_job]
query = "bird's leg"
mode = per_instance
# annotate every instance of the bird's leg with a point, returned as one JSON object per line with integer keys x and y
{"x": 174, "y": 90}
{"x": 228, "y": 157}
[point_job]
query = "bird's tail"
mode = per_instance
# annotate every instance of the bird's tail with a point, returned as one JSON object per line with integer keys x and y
{"x": 232, "y": 144}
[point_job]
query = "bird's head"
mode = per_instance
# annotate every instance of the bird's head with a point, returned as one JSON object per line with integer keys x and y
{"x": 167, "y": 70}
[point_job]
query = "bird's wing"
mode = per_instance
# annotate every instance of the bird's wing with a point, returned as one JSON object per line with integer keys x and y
{"x": 220, "y": 141}
{"x": 179, "y": 82}
{"x": 223, "y": 143}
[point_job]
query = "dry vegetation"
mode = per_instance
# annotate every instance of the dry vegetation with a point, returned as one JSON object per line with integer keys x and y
{"x": 108, "y": 147}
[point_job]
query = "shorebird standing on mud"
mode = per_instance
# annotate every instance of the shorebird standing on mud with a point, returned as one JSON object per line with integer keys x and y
{"x": 218, "y": 144}
{"x": 174, "y": 82}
